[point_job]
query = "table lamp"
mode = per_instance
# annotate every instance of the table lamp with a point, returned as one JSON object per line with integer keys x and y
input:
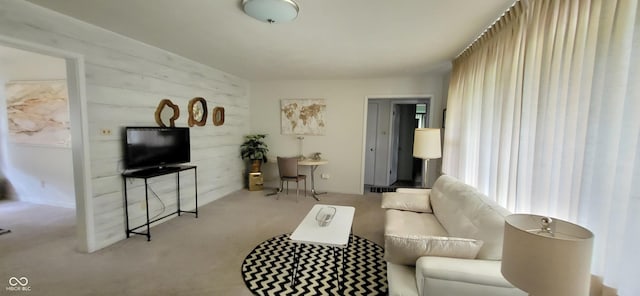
{"x": 426, "y": 145}
{"x": 546, "y": 257}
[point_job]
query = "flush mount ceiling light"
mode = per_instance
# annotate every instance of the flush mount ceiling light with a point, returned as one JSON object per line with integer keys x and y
{"x": 271, "y": 11}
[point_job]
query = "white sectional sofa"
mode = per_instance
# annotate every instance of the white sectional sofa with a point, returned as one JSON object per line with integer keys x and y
{"x": 445, "y": 241}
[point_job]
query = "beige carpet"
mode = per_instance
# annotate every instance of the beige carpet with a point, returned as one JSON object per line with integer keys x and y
{"x": 186, "y": 256}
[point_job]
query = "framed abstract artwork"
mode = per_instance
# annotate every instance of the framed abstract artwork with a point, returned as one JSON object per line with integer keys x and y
{"x": 38, "y": 112}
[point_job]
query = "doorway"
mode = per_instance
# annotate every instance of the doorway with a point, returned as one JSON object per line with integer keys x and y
{"x": 409, "y": 168}
{"x": 388, "y": 155}
{"x": 35, "y": 146}
{"x": 75, "y": 82}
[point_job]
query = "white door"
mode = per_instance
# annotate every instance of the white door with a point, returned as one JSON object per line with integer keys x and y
{"x": 395, "y": 132}
{"x": 370, "y": 153}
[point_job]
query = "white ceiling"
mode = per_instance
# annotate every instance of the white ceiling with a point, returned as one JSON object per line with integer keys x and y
{"x": 330, "y": 39}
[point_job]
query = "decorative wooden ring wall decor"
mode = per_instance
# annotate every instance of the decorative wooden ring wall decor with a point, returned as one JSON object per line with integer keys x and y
{"x": 197, "y": 112}
{"x": 172, "y": 119}
{"x": 218, "y": 116}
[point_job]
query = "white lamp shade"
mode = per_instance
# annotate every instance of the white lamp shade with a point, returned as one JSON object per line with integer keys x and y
{"x": 271, "y": 11}
{"x": 541, "y": 264}
{"x": 426, "y": 143}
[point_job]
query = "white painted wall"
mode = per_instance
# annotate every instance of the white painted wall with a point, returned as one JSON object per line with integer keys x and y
{"x": 343, "y": 143}
{"x": 125, "y": 80}
{"x": 38, "y": 174}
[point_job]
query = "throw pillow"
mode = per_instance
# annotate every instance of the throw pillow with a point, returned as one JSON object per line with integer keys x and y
{"x": 407, "y": 249}
{"x": 415, "y": 202}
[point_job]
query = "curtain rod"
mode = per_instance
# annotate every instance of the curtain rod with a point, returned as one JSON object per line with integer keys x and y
{"x": 487, "y": 29}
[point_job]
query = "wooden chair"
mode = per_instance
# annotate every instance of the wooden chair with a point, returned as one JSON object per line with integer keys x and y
{"x": 288, "y": 168}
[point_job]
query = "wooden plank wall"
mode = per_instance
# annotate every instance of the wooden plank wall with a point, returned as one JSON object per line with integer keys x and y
{"x": 125, "y": 81}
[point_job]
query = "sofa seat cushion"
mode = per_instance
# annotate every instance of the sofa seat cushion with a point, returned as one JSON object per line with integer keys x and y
{"x": 407, "y": 224}
{"x": 407, "y": 249}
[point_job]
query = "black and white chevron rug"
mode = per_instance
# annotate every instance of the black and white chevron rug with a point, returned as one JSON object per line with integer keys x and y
{"x": 267, "y": 269}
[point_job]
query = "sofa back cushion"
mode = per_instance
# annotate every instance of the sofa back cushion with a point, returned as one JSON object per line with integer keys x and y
{"x": 415, "y": 202}
{"x": 465, "y": 212}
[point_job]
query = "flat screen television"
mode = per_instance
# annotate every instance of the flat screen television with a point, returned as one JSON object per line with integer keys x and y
{"x": 156, "y": 147}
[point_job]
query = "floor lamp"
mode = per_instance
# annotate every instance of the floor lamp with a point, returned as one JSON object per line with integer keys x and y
{"x": 426, "y": 145}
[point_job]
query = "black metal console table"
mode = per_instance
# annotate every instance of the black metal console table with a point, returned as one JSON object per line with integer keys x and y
{"x": 155, "y": 172}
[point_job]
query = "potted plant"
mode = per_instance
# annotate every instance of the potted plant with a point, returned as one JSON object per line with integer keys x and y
{"x": 255, "y": 150}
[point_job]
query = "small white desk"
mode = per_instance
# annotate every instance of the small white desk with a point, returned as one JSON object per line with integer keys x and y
{"x": 335, "y": 235}
{"x": 313, "y": 165}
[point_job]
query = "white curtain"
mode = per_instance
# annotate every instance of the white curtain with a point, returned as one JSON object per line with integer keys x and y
{"x": 544, "y": 115}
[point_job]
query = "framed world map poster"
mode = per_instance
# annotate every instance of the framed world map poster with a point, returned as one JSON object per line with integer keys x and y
{"x": 303, "y": 117}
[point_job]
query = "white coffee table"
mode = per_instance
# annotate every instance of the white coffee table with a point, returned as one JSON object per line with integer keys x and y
{"x": 335, "y": 235}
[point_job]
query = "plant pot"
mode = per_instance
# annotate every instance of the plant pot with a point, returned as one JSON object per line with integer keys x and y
{"x": 256, "y": 164}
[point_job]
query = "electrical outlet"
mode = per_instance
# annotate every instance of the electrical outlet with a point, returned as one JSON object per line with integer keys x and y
{"x": 325, "y": 176}
{"x": 105, "y": 132}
